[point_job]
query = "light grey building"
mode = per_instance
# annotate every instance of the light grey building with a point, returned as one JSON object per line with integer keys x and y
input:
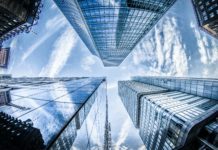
{"x": 130, "y": 93}
{"x": 57, "y": 107}
{"x": 181, "y": 114}
{"x": 112, "y": 28}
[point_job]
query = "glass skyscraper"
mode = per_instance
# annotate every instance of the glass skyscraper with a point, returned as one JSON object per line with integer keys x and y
{"x": 110, "y": 28}
{"x": 129, "y": 90}
{"x": 173, "y": 113}
{"x": 52, "y": 109}
{"x": 4, "y": 57}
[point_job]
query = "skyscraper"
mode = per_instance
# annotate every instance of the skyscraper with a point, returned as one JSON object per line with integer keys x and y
{"x": 17, "y": 16}
{"x": 4, "y": 57}
{"x": 16, "y": 134}
{"x": 130, "y": 93}
{"x": 4, "y": 97}
{"x": 57, "y": 107}
{"x": 111, "y": 29}
{"x": 173, "y": 113}
{"x": 207, "y": 15}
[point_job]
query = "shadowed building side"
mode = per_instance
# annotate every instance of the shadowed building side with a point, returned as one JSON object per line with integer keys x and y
{"x": 16, "y": 134}
{"x": 17, "y": 16}
{"x": 207, "y": 15}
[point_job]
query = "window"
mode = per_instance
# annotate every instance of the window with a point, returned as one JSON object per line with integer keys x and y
{"x": 172, "y": 137}
{"x": 201, "y": 7}
{"x": 200, "y": 2}
{"x": 211, "y": 15}
{"x": 212, "y": 7}
{"x": 205, "y": 18}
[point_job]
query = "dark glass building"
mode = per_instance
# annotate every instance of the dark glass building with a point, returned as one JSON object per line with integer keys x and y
{"x": 5, "y": 76}
{"x": 110, "y": 28}
{"x": 4, "y": 57}
{"x": 176, "y": 113}
{"x": 207, "y": 15}
{"x": 4, "y": 97}
{"x": 54, "y": 108}
{"x": 17, "y": 16}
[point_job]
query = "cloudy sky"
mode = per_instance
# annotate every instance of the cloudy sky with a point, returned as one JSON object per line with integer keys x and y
{"x": 174, "y": 47}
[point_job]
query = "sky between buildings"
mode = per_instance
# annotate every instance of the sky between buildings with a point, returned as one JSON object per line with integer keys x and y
{"x": 175, "y": 46}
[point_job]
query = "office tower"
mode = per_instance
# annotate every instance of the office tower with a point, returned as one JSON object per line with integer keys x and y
{"x": 107, "y": 131}
{"x": 4, "y": 98}
{"x": 111, "y": 29}
{"x": 57, "y": 107}
{"x": 173, "y": 113}
{"x": 13, "y": 131}
{"x": 207, "y": 15}
{"x": 130, "y": 93}
{"x": 17, "y": 16}
{"x": 4, "y": 57}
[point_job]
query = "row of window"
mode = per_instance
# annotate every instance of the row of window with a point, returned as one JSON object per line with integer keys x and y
{"x": 211, "y": 15}
{"x": 207, "y": 88}
{"x": 163, "y": 120}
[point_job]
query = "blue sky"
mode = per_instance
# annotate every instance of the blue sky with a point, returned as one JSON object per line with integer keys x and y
{"x": 175, "y": 46}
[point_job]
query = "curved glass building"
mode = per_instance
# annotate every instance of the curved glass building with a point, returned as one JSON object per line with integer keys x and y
{"x": 173, "y": 113}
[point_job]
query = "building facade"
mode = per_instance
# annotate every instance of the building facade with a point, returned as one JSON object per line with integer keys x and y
{"x": 17, "y": 16}
{"x": 4, "y": 57}
{"x": 197, "y": 86}
{"x": 207, "y": 15}
{"x": 182, "y": 115}
{"x": 129, "y": 90}
{"x": 111, "y": 29}
{"x": 57, "y": 107}
{"x": 4, "y": 97}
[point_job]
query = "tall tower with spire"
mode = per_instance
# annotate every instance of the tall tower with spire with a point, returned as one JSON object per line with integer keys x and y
{"x": 107, "y": 132}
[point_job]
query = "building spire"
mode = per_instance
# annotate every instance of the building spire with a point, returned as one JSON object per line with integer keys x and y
{"x": 107, "y": 131}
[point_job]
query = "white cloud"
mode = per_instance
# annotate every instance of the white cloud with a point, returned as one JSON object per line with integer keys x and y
{"x": 123, "y": 134}
{"x": 208, "y": 52}
{"x": 138, "y": 56}
{"x": 62, "y": 50}
{"x": 111, "y": 85}
{"x": 88, "y": 62}
{"x": 53, "y": 6}
{"x": 14, "y": 44}
{"x": 162, "y": 51}
{"x": 55, "y": 22}
{"x": 52, "y": 26}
